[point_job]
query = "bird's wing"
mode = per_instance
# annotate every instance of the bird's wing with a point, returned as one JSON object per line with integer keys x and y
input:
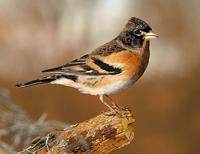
{"x": 91, "y": 64}
{"x": 69, "y": 66}
{"x": 86, "y": 65}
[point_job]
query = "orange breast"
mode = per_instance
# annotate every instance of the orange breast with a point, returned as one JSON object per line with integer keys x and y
{"x": 129, "y": 61}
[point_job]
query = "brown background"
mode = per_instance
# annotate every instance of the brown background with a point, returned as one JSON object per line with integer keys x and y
{"x": 35, "y": 35}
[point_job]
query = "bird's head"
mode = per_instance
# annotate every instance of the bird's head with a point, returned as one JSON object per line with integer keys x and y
{"x": 135, "y": 32}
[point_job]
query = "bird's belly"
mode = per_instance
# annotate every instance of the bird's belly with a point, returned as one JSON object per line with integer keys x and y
{"x": 104, "y": 86}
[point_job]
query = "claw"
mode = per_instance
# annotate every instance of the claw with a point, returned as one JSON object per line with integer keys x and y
{"x": 114, "y": 108}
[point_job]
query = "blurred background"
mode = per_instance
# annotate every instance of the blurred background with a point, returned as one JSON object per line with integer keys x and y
{"x": 35, "y": 35}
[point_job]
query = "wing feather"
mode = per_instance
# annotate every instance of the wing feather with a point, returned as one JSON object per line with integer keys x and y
{"x": 89, "y": 64}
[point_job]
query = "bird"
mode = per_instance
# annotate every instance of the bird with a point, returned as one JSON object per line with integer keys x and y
{"x": 107, "y": 69}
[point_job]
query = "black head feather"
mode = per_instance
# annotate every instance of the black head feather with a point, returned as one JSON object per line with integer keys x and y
{"x": 132, "y": 35}
{"x": 138, "y": 24}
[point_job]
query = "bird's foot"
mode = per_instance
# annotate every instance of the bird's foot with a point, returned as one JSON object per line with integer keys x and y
{"x": 114, "y": 110}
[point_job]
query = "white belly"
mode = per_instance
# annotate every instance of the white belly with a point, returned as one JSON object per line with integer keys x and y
{"x": 108, "y": 89}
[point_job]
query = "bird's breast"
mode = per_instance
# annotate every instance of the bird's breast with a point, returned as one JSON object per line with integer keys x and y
{"x": 132, "y": 63}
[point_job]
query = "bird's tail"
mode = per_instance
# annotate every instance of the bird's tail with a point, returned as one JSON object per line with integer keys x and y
{"x": 54, "y": 79}
{"x": 43, "y": 80}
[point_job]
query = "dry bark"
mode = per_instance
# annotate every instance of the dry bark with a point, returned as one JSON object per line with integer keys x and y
{"x": 99, "y": 135}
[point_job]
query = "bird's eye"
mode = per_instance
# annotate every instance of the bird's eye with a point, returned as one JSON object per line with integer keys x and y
{"x": 138, "y": 32}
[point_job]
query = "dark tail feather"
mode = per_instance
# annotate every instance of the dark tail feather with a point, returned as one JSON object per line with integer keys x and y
{"x": 36, "y": 82}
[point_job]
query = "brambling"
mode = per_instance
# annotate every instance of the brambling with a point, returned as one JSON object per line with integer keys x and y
{"x": 109, "y": 68}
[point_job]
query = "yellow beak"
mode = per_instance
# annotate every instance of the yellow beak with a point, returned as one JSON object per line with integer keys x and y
{"x": 150, "y": 35}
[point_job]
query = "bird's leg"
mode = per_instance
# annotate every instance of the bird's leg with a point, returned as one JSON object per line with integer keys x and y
{"x": 114, "y": 105}
{"x": 101, "y": 97}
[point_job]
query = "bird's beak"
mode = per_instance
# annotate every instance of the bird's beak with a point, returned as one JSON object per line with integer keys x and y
{"x": 150, "y": 35}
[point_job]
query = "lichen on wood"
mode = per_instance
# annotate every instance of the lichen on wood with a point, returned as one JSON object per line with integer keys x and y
{"x": 101, "y": 134}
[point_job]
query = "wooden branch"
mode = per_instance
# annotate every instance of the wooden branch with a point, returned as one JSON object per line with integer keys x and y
{"x": 99, "y": 135}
